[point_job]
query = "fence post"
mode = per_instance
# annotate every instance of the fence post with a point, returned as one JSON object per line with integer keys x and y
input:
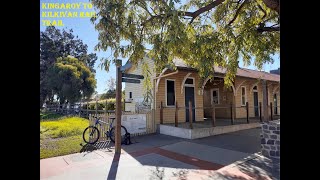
{"x": 260, "y": 111}
{"x": 190, "y": 115}
{"x": 124, "y": 105}
{"x": 213, "y": 115}
{"x": 88, "y": 109}
{"x": 247, "y": 107}
{"x": 161, "y": 113}
{"x": 271, "y": 113}
{"x": 106, "y": 108}
{"x": 80, "y": 108}
{"x": 231, "y": 110}
{"x": 96, "y": 107}
{"x": 67, "y": 109}
{"x": 176, "y": 115}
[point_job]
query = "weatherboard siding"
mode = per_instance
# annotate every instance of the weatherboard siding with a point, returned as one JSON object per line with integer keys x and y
{"x": 136, "y": 89}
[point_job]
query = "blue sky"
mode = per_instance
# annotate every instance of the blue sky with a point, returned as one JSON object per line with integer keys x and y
{"x": 87, "y": 33}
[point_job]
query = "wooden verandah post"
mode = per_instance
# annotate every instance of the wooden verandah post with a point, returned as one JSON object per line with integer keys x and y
{"x": 190, "y": 115}
{"x": 260, "y": 111}
{"x": 176, "y": 115}
{"x": 161, "y": 113}
{"x": 265, "y": 101}
{"x": 247, "y": 108}
{"x": 213, "y": 114}
{"x": 231, "y": 111}
{"x": 271, "y": 111}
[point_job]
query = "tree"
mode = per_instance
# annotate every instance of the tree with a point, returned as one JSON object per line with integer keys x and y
{"x": 111, "y": 83}
{"x": 111, "y": 92}
{"x": 147, "y": 85}
{"x": 55, "y": 43}
{"x": 70, "y": 79}
{"x": 203, "y": 33}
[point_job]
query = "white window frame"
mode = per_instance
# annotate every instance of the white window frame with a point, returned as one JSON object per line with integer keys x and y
{"x": 189, "y": 85}
{"x": 174, "y": 92}
{"x": 211, "y": 95}
{"x": 245, "y": 95}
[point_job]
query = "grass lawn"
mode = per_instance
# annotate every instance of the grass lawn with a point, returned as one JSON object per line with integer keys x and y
{"x": 61, "y": 137}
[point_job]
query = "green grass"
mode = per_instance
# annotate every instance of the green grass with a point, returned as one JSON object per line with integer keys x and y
{"x": 61, "y": 137}
{"x": 64, "y": 127}
{"x": 60, "y": 147}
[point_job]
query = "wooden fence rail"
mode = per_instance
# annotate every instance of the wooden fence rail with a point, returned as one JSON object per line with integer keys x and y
{"x": 213, "y": 113}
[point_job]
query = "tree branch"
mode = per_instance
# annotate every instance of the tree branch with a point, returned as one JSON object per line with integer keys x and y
{"x": 208, "y": 7}
{"x": 193, "y": 15}
{"x": 268, "y": 29}
{"x": 237, "y": 12}
{"x": 155, "y": 17}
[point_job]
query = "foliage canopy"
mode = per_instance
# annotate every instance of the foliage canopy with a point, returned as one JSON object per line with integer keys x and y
{"x": 203, "y": 33}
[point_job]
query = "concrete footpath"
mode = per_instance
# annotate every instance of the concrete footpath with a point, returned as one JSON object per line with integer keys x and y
{"x": 229, "y": 156}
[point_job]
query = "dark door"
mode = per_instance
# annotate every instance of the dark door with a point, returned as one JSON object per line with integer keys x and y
{"x": 189, "y": 96}
{"x": 275, "y": 102}
{"x": 256, "y": 104}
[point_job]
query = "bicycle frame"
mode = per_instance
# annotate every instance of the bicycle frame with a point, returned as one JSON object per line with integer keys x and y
{"x": 97, "y": 122}
{"x": 109, "y": 132}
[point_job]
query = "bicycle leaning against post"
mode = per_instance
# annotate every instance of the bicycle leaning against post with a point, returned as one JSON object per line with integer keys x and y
{"x": 92, "y": 134}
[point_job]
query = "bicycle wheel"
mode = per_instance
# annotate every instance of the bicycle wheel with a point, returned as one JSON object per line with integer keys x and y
{"x": 91, "y": 135}
{"x": 123, "y": 133}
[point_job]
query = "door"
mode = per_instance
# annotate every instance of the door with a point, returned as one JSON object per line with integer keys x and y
{"x": 189, "y": 96}
{"x": 256, "y": 104}
{"x": 275, "y": 102}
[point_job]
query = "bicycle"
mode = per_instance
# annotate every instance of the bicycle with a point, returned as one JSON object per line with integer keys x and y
{"x": 93, "y": 133}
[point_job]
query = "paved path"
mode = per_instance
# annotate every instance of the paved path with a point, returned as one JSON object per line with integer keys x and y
{"x": 166, "y": 157}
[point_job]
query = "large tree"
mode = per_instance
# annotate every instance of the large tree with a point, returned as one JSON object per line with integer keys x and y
{"x": 111, "y": 89}
{"x": 201, "y": 32}
{"x": 55, "y": 43}
{"x": 70, "y": 79}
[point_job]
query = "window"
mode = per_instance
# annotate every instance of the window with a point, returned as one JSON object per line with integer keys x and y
{"x": 215, "y": 96}
{"x": 243, "y": 96}
{"x": 189, "y": 81}
{"x": 130, "y": 95}
{"x": 170, "y": 92}
{"x": 255, "y": 88}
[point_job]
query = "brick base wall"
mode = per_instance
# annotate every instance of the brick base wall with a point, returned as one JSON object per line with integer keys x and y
{"x": 270, "y": 139}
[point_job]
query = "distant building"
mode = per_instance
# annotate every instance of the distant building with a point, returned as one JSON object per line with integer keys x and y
{"x": 276, "y": 71}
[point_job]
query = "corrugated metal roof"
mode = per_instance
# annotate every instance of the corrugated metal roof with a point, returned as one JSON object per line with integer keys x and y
{"x": 243, "y": 72}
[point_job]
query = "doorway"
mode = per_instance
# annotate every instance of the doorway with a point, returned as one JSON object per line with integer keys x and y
{"x": 189, "y": 96}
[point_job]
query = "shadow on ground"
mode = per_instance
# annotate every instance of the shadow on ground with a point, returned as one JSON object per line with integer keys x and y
{"x": 261, "y": 166}
{"x": 257, "y": 168}
{"x": 96, "y": 146}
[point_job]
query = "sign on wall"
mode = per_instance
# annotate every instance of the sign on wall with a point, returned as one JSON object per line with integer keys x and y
{"x": 135, "y": 123}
